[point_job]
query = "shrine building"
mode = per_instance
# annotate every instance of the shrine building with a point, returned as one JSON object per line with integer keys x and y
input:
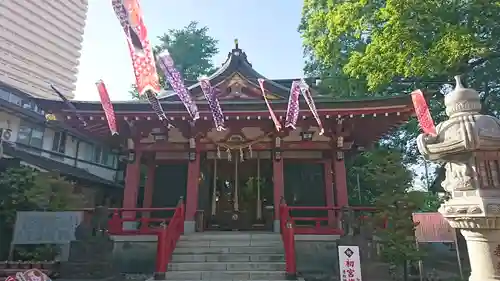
{"x": 234, "y": 179}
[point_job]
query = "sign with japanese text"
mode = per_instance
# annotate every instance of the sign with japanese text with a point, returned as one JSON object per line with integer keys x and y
{"x": 349, "y": 263}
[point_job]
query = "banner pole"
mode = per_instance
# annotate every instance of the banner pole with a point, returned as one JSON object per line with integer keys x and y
{"x": 420, "y": 263}
{"x": 457, "y": 249}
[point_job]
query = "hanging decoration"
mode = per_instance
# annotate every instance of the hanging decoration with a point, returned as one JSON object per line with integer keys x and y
{"x": 241, "y": 146}
{"x": 107, "y": 106}
{"x": 306, "y": 93}
{"x": 158, "y": 109}
{"x": 69, "y": 105}
{"x": 174, "y": 77}
{"x": 213, "y": 103}
{"x": 423, "y": 114}
{"x": 130, "y": 16}
{"x": 292, "y": 111}
{"x": 277, "y": 123}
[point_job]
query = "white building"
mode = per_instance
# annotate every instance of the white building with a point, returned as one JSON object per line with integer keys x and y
{"x": 50, "y": 146}
{"x": 40, "y": 44}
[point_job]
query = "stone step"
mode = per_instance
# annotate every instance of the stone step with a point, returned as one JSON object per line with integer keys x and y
{"x": 232, "y": 250}
{"x": 227, "y": 266}
{"x": 151, "y": 279}
{"x": 227, "y": 257}
{"x": 229, "y": 243}
{"x": 230, "y": 236}
{"x": 225, "y": 275}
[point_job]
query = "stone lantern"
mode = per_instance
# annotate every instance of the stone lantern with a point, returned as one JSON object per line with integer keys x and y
{"x": 468, "y": 144}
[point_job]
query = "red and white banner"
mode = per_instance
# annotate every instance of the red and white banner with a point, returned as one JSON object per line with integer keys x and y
{"x": 277, "y": 123}
{"x": 423, "y": 114}
{"x": 129, "y": 14}
{"x": 433, "y": 227}
{"x": 107, "y": 106}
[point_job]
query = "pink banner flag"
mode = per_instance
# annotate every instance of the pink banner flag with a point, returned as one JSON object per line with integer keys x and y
{"x": 432, "y": 227}
{"x": 277, "y": 123}
{"x": 306, "y": 93}
{"x": 423, "y": 114}
{"x": 107, "y": 106}
{"x": 292, "y": 111}
{"x": 213, "y": 103}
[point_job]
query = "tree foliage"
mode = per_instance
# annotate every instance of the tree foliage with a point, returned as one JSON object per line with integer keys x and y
{"x": 365, "y": 48}
{"x": 192, "y": 50}
{"x": 386, "y": 47}
{"x": 404, "y": 38}
{"x": 25, "y": 189}
{"x": 373, "y": 173}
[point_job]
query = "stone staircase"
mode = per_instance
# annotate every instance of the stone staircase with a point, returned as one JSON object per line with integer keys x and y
{"x": 228, "y": 256}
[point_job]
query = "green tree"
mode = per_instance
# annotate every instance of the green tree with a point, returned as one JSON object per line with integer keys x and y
{"x": 192, "y": 50}
{"x": 25, "y": 189}
{"x": 388, "y": 39}
{"x": 381, "y": 48}
{"x": 373, "y": 172}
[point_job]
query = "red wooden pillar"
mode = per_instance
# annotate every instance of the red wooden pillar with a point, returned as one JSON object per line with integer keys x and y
{"x": 192, "y": 193}
{"x": 329, "y": 194}
{"x": 340, "y": 179}
{"x": 279, "y": 190}
{"x": 147, "y": 201}
{"x": 132, "y": 181}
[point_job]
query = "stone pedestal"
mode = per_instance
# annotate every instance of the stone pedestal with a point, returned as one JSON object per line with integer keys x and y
{"x": 90, "y": 256}
{"x": 91, "y": 259}
{"x": 483, "y": 246}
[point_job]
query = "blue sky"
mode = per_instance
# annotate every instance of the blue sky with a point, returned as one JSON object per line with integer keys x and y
{"x": 266, "y": 30}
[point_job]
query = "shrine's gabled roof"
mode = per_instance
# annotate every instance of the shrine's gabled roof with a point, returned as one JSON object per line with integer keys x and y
{"x": 237, "y": 78}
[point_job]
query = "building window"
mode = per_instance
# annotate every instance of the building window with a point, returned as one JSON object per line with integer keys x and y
{"x": 97, "y": 154}
{"x": 59, "y": 142}
{"x": 4, "y": 95}
{"x": 103, "y": 156}
{"x": 30, "y": 135}
{"x": 15, "y": 100}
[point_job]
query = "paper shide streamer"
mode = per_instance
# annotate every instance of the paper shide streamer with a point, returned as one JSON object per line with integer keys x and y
{"x": 277, "y": 123}
{"x": 213, "y": 103}
{"x": 107, "y": 106}
{"x": 174, "y": 78}
{"x": 292, "y": 113}
{"x": 129, "y": 14}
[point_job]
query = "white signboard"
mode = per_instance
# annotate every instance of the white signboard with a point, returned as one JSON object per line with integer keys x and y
{"x": 349, "y": 263}
{"x": 46, "y": 227}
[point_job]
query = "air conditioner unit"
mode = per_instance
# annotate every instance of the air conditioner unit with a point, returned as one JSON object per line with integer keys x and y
{"x": 6, "y": 134}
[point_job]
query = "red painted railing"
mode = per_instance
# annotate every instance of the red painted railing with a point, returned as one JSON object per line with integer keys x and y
{"x": 147, "y": 225}
{"x": 288, "y": 238}
{"x": 328, "y": 224}
{"x": 167, "y": 240}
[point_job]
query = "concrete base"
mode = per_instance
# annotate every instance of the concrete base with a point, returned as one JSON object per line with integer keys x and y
{"x": 189, "y": 227}
{"x": 159, "y": 276}
{"x": 130, "y": 225}
{"x": 276, "y": 226}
